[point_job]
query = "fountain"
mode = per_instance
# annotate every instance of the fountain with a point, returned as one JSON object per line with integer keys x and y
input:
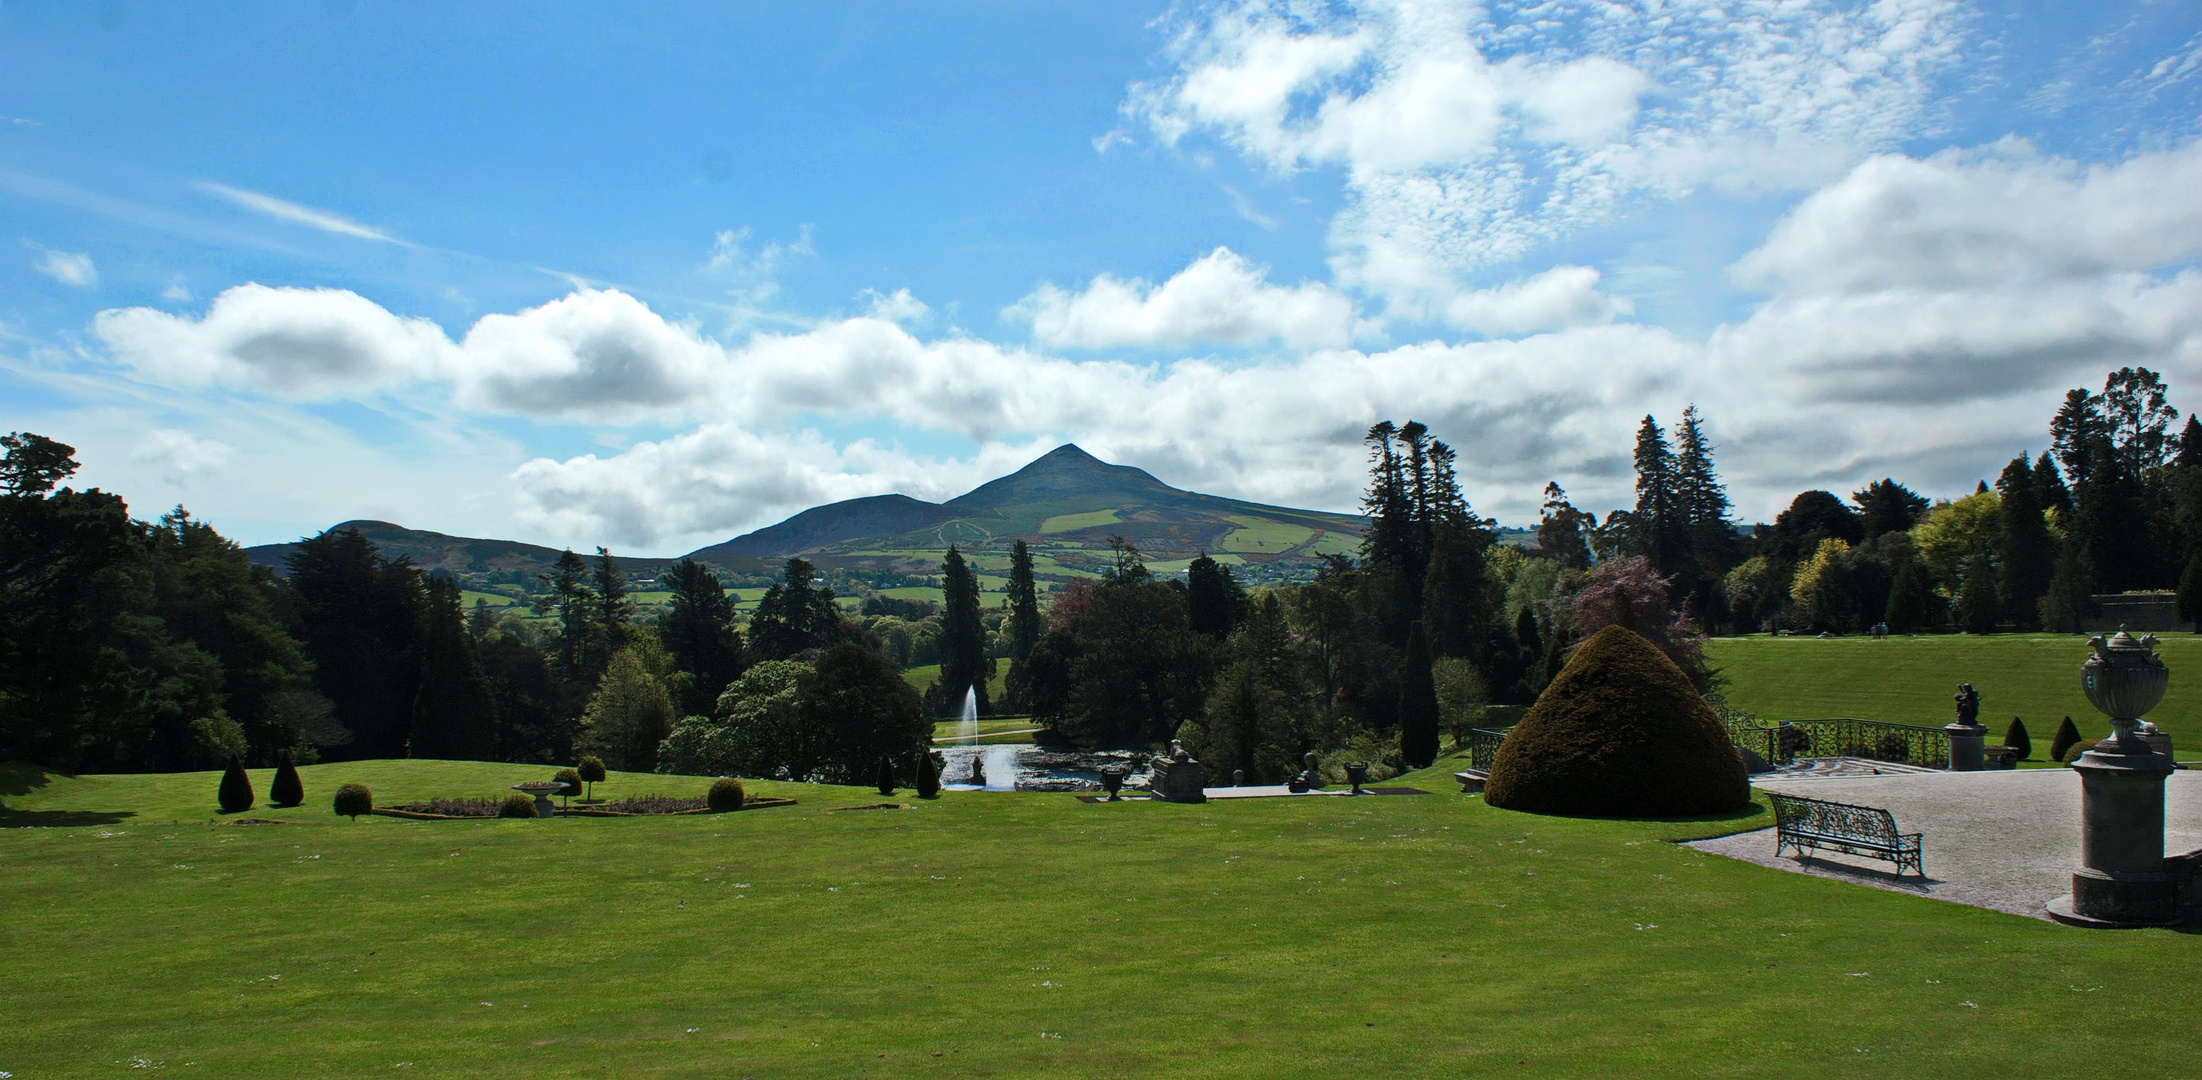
{"x": 969, "y": 728}
{"x": 993, "y": 768}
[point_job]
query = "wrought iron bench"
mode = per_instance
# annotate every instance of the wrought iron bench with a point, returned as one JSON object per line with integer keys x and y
{"x": 1802, "y": 823}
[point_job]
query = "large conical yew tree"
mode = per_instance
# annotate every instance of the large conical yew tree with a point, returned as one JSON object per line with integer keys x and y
{"x": 1620, "y": 733}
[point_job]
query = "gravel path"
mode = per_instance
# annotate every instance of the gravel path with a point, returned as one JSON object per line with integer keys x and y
{"x": 2007, "y": 841}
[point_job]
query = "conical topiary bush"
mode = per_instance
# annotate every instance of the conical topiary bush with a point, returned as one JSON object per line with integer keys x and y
{"x": 1619, "y": 733}
{"x": 235, "y": 794}
{"x": 2061, "y": 743}
{"x": 2016, "y": 738}
{"x": 288, "y": 789}
{"x": 886, "y": 775}
{"x": 928, "y": 777}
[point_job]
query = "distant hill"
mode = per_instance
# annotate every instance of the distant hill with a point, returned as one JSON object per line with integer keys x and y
{"x": 1066, "y": 506}
{"x": 461, "y": 555}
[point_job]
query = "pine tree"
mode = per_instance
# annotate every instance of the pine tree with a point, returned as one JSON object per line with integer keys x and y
{"x": 2049, "y": 489}
{"x": 614, "y": 612}
{"x": 1024, "y": 625}
{"x": 1656, "y": 515}
{"x": 1417, "y": 704}
{"x": 1907, "y": 607}
{"x": 1886, "y": 506}
{"x": 963, "y": 661}
{"x": 2070, "y": 600}
{"x": 2025, "y": 550}
{"x": 1208, "y": 599}
{"x": 1707, "y": 537}
{"x": 698, "y": 630}
{"x": 628, "y": 717}
{"x": 454, "y": 717}
{"x": 1562, "y": 530}
{"x": 569, "y": 595}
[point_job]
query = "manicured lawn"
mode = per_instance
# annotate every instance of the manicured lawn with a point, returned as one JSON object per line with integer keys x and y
{"x": 989, "y": 731}
{"x": 1911, "y": 680}
{"x": 1014, "y": 935}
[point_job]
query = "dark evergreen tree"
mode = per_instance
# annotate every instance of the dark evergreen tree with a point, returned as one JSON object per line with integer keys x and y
{"x": 2190, "y": 593}
{"x": 2137, "y": 419}
{"x": 928, "y": 776}
{"x": 454, "y": 713}
{"x": 1212, "y": 597}
{"x": 1909, "y": 591}
{"x": 2110, "y": 525}
{"x": 1417, "y": 704}
{"x": 886, "y": 781}
{"x": 1708, "y": 538}
{"x": 1812, "y": 516}
{"x": 2016, "y": 738}
{"x": 235, "y": 793}
{"x": 698, "y": 632}
{"x": 861, "y": 710}
{"x": 2072, "y": 434}
{"x": 580, "y": 656}
{"x": 360, "y": 617}
{"x": 963, "y": 660}
{"x": 287, "y": 789}
{"x": 2070, "y": 601}
{"x": 1024, "y": 626}
{"x": 1562, "y": 530}
{"x": 794, "y": 616}
{"x": 2049, "y": 489}
{"x": 2026, "y": 553}
{"x": 1660, "y": 522}
{"x": 1977, "y": 603}
{"x": 535, "y": 716}
{"x": 1886, "y": 506}
{"x": 614, "y": 612}
{"x": 207, "y": 593}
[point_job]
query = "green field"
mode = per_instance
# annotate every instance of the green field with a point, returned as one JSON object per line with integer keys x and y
{"x": 991, "y": 731}
{"x": 925, "y": 675}
{"x": 1062, "y": 523}
{"x": 1911, "y": 681}
{"x": 1263, "y": 537}
{"x": 1011, "y": 935}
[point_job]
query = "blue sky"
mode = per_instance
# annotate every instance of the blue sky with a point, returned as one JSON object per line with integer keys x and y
{"x": 652, "y": 276}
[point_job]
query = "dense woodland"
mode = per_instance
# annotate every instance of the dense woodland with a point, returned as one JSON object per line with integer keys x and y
{"x": 128, "y": 645}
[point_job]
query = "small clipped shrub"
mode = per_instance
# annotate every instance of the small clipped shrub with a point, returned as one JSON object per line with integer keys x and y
{"x": 1620, "y": 732}
{"x": 928, "y": 777}
{"x": 571, "y": 779}
{"x": 886, "y": 775}
{"x": 2078, "y": 748}
{"x": 288, "y": 789}
{"x": 353, "y": 800}
{"x": 235, "y": 794}
{"x": 591, "y": 771}
{"x": 725, "y": 795}
{"x": 2016, "y": 739}
{"x": 2060, "y": 744}
{"x": 1795, "y": 741}
{"x": 516, "y": 805}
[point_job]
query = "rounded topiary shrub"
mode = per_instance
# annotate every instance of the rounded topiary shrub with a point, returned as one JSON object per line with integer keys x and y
{"x": 235, "y": 793}
{"x": 353, "y": 800}
{"x": 591, "y": 771}
{"x": 516, "y": 805}
{"x": 1619, "y": 733}
{"x": 288, "y": 789}
{"x": 725, "y": 794}
{"x": 569, "y": 777}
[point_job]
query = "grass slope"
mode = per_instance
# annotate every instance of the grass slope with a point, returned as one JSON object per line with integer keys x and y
{"x": 1911, "y": 681}
{"x": 1014, "y": 935}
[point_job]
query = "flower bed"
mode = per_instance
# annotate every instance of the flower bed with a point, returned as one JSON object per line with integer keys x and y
{"x": 633, "y": 806}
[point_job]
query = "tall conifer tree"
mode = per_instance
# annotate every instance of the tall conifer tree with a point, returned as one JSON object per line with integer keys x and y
{"x": 963, "y": 661}
{"x": 454, "y": 717}
{"x": 2025, "y": 549}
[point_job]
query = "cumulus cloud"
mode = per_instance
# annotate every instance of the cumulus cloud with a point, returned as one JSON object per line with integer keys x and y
{"x": 299, "y": 343}
{"x": 179, "y": 457}
{"x": 1560, "y": 297}
{"x": 1220, "y": 298}
{"x": 592, "y": 354}
{"x": 1468, "y": 134}
{"x": 67, "y": 267}
{"x": 2004, "y": 216}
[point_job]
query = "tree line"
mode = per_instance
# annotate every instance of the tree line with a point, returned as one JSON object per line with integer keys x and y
{"x": 132, "y": 645}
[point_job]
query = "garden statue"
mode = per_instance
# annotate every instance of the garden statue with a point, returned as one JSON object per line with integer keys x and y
{"x": 1311, "y": 779}
{"x": 1968, "y": 705}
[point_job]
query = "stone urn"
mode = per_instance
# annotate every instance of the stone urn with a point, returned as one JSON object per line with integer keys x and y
{"x": 1356, "y": 773}
{"x": 1112, "y": 781}
{"x": 2122, "y": 879}
{"x": 2125, "y": 679}
{"x": 542, "y": 790}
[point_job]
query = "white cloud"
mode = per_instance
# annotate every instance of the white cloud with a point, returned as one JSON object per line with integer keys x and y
{"x": 2005, "y": 216}
{"x": 300, "y": 343}
{"x": 177, "y": 291}
{"x": 1468, "y": 135}
{"x": 282, "y": 210}
{"x": 179, "y": 457}
{"x": 67, "y": 267}
{"x": 900, "y": 307}
{"x": 753, "y": 276}
{"x": 1220, "y": 298}
{"x": 592, "y": 354}
{"x": 1561, "y": 297}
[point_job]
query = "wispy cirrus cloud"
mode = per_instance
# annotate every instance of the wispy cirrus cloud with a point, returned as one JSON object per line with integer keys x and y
{"x": 285, "y": 210}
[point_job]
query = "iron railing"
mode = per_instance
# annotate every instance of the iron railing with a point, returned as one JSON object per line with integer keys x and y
{"x": 1851, "y": 737}
{"x": 1483, "y": 745}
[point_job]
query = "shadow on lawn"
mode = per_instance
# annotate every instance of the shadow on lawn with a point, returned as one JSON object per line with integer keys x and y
{"x": 21, "y": 778}
{"x": 61, "y": 819}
